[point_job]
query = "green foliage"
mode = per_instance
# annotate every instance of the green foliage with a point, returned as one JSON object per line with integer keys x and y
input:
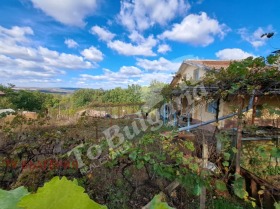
{"x": 189, "y": 145}
{"x": 260, "y": 157}
{"x": 153, "y": 96}
{"x": 156, "y": 203}
{"x": 271, "y": 59}
{"x": 244, "y": 76}
{"x": 5, "y": 103}
{"x": 238, "y": 186}
{"x": 226, "y": 148}
{"x": 220, "y": 185}
{"x": 25, "y": 100}
{"x": 59, "y": 194}
{"x": 224, "y": 204}
{"x": 9, "y": 199}
{"x": 118, "y": 95}
{"x": 70, "y": 104}
{"x": 31, "y": 101}
{"x": 83, "y": 97}
{"x": 275, "y": 152}
{"x": 193, "y": 183}
{"x": 277, "y": 205}
{"x": 239, "y": 190}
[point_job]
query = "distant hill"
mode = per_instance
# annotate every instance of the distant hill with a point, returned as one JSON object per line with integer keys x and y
{"x": 57, "y": 90}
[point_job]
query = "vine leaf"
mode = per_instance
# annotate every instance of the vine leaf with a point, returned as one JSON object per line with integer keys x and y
{"x": 275, "y": 152}
{"x": 59, "y": 194}
{"x": 221, "y": 186}
{"x": 156, "y": 203}
{"x": 197, "y": 190}
{"x": 238, "y": 187}
{"x": 277, "y": 205}
{"x": 9, "y": 199}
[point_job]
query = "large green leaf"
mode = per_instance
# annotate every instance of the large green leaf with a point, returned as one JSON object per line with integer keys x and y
{"x": 220, "y": 185}
{"x": 59, "y": 194}
{"x": 9, "y": 199}
{"x": 157, "y": 204}
{"x": 238, "y": 187}
{"x": 277, "y": 205}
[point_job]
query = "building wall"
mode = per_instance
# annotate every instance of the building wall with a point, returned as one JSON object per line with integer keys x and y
{"x": 188, "y": 73}
{"x": 201, "y": 113}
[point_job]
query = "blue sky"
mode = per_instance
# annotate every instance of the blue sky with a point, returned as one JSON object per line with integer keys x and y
{"x": 105, "y": 44}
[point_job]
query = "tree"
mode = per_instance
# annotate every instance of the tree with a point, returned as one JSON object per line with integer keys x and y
{"x": 31, "y": 101}
{"x": 153, "y": 95}
{"x": 134, "y": 93}
{"x": 83, "y": 97}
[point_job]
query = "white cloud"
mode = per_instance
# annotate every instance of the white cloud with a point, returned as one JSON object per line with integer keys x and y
{"x": 147, "y": 78}
{"x": 71, "y": 43}
{"x": 93, "y": 54}
{"x": 233, "y": 54}
{"x": 143, "y": 47}
{"x": 122, "y": 78}
{"x": 255, "y": 38}
{"x": 161, "y": 64}
{"x": 196, "y": 30}
{"x": 103, "y": 34}
{"x": 125, "y": 76}
{"x": 163, "y": 48}
{"x": 63, "y": 60}
{"x": 136, "y": 37}
{"x": 130, "y": 70}
{"x": 108, "y": 76}
{"x": 20, "y": 61}
{"x": 142, "y": 14}
{"x": 69, "y": 12}
{"x": 15, "y": 34}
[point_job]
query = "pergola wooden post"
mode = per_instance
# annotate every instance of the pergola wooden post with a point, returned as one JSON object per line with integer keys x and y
{"x": 254, "y": 111}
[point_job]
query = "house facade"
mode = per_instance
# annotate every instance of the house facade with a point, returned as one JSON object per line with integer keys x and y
{"x": 190, "y": 104}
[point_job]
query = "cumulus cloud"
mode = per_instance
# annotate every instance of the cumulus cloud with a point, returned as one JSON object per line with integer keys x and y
{"x": 161, "y": 64}
{"x": 15, "y": 34}
{"x": 122, "y": 78}
{"x": 142, "y": 14}
{"x": 196, "y": 29}
{"x": 143, "y": 46}
{"x": 71, "y": 43}
{"x": 163, "y": 48}
{"x": 233, "y": 54}
{"x": 20, "y": 61}
{"x": 136, "y": 37}
{"x": 109, "y": 76}
{"x": 147, "y": 78}
{"x": 255, "y": 38}
{"x": 93, "y": 54}
{"x": 62, "y": 60}
{"x": 69, "y": 12}
{"x": 160, "y": 70}
{"x": 102, "y": 33}
{"x": 130, "y": 70}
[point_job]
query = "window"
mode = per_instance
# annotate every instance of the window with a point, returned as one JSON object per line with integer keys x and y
{"x": 212, "y": 107}
{"x": 196, "y": 74}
